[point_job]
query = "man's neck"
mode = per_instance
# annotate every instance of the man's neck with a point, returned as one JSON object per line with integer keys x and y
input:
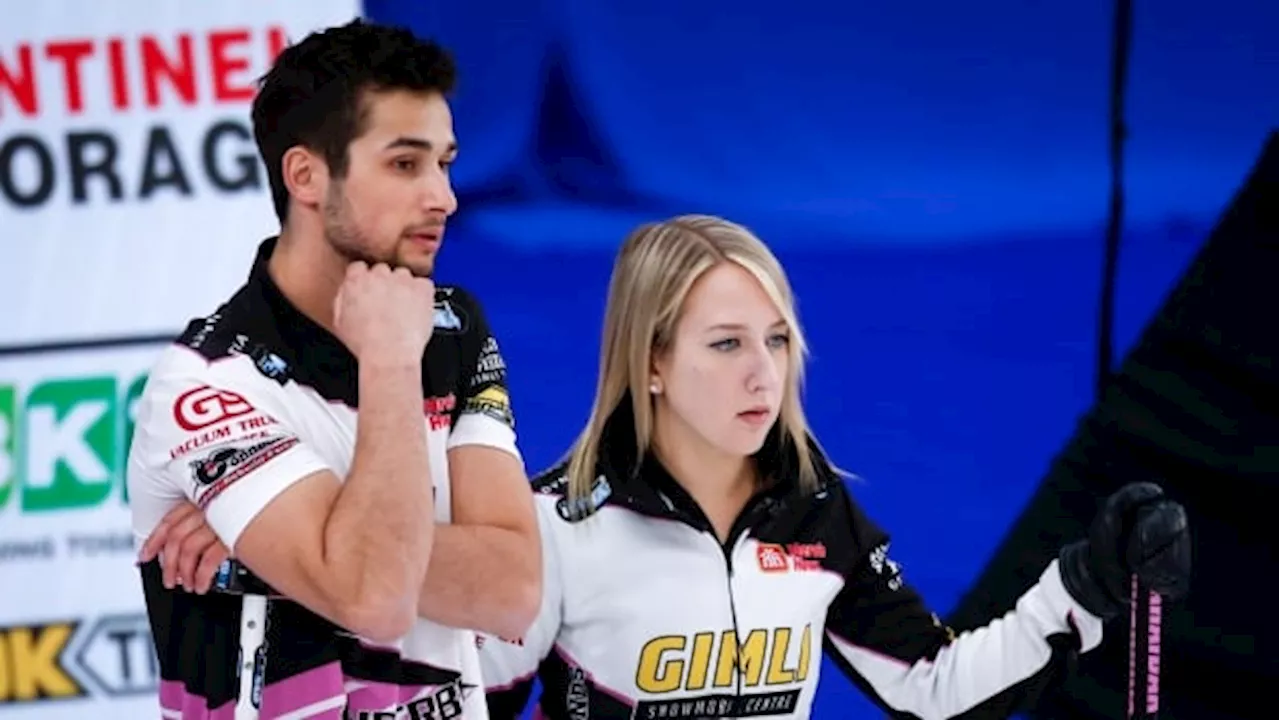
{"x": 308, "y": 273}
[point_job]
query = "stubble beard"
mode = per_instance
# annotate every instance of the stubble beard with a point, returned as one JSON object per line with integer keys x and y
{"x": 340, "y": 230}
{"x": 351, "y": 243}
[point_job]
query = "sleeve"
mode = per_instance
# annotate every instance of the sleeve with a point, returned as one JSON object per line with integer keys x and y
{"x": 485, "y": 416}
{"x": 884, "y": 638}
{"x": 509, "y": 666}
{"x": 211, "y": 439}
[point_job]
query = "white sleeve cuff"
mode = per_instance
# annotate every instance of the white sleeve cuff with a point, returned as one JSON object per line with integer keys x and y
{"x": 230, "y": 512}
{"x": 480, "y": 429}
{"x": 1088, "y": 624}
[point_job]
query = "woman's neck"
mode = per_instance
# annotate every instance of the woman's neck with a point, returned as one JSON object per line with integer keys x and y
{"x": 721, "y": 484}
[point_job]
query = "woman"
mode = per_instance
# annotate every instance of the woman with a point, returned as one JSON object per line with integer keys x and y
{"x": 701, "y": 551}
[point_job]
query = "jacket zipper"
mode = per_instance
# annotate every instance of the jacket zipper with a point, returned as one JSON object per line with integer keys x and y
{"x": 726, "y": 551}
{"x": 693, "y": 516}
{"x": 736, "y": 533}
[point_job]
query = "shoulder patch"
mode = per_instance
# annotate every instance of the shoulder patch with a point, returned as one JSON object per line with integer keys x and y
{"x": 494, "y": 402}
{"x": 449, "y": 317}
{"x": 208, "y": 336}
{"x": 214, "y": 337}
{"x": 552, "y": 481}
{"x": 212, "y": 341}
{"x": 885, "y": 567}
{"x": 582, "y": 508}
{"x": 268, "y": 363}
{"x": 452, "y": 311}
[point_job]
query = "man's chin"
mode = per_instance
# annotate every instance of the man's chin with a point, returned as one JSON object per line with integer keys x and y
{"x": 417, "y": 260}
{"x": 422, "y": 267}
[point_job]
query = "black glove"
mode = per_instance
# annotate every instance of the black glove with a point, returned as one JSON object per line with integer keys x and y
{"x": 1139, "y": 531}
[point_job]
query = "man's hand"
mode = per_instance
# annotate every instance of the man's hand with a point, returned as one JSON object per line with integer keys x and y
{"x": 485, "y": 576}
{"x": 190, "y": 553}
{"x": 384, "y": 316}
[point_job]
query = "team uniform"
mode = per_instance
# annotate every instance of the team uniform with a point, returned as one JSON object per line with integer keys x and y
{"x": 645, "y": 613}
{"x": 248, "y": 401}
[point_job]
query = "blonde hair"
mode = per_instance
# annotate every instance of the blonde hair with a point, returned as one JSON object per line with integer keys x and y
{"x": 654, "y": 270}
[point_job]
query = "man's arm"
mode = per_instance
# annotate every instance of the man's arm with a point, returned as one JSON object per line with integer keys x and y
{"x": 357, "y": 551}
{"x": 510, "y": 665}
{"x": 485, "y": 571}
{"x": 354, "y": 552}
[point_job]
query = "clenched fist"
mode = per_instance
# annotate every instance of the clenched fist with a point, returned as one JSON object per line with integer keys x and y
{"x": 384, "y": 316}
{"x": 1139, "y": 531}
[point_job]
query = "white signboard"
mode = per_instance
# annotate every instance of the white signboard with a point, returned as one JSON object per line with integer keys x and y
{"x": 131, "y": 193}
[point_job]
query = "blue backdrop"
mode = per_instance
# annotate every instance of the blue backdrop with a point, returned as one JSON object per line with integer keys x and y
{"x": 933, "y": 174}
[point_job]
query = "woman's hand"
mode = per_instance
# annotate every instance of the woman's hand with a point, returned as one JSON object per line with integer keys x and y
{"x": 1139, "y": 531}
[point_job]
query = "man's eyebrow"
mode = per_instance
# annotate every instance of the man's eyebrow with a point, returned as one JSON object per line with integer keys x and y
{"x": 419, "y": 144}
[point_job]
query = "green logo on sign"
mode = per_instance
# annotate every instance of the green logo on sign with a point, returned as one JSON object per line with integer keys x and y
{"x": 63, "y": 446}
{"x": 8, "y": 470}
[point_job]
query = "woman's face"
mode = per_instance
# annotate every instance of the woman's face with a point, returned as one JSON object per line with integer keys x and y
{"x": 722, "y": 378}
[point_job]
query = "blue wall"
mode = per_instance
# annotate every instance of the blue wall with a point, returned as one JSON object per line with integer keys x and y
{"x": 933, "y": 174}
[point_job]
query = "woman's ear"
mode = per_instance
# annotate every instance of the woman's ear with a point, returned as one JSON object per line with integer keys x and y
{"x": 656, "y": 371}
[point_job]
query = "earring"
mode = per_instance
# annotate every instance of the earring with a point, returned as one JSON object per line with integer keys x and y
{"x": 654, "y": 389}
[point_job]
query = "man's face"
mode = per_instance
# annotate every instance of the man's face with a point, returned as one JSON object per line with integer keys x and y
{"x": 392, "y": 205}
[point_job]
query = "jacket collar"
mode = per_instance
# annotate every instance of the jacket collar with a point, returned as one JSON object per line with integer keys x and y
{"x": 301, "y": 336}
{"x": 640, "y": 482}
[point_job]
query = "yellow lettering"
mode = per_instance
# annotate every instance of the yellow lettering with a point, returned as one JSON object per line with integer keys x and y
{"x": 672, "y": 662}
{"x": 5, "y": 672}
{"x": 803, "y": 668}
{"x": 29, "y": 666}
{"x": 778, "y": 674}
{"x": 748, "y": 656}
{"x": 655, "y": 674}
{"x": 700, "y": 663}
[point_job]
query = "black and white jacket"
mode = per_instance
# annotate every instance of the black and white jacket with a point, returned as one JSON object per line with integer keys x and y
{"x": 645, "y": 611}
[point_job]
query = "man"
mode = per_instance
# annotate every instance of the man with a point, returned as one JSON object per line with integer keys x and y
{"x": 341, "y": 423}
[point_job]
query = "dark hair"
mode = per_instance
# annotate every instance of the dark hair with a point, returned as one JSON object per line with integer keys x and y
{"x": 313, "y": 93}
